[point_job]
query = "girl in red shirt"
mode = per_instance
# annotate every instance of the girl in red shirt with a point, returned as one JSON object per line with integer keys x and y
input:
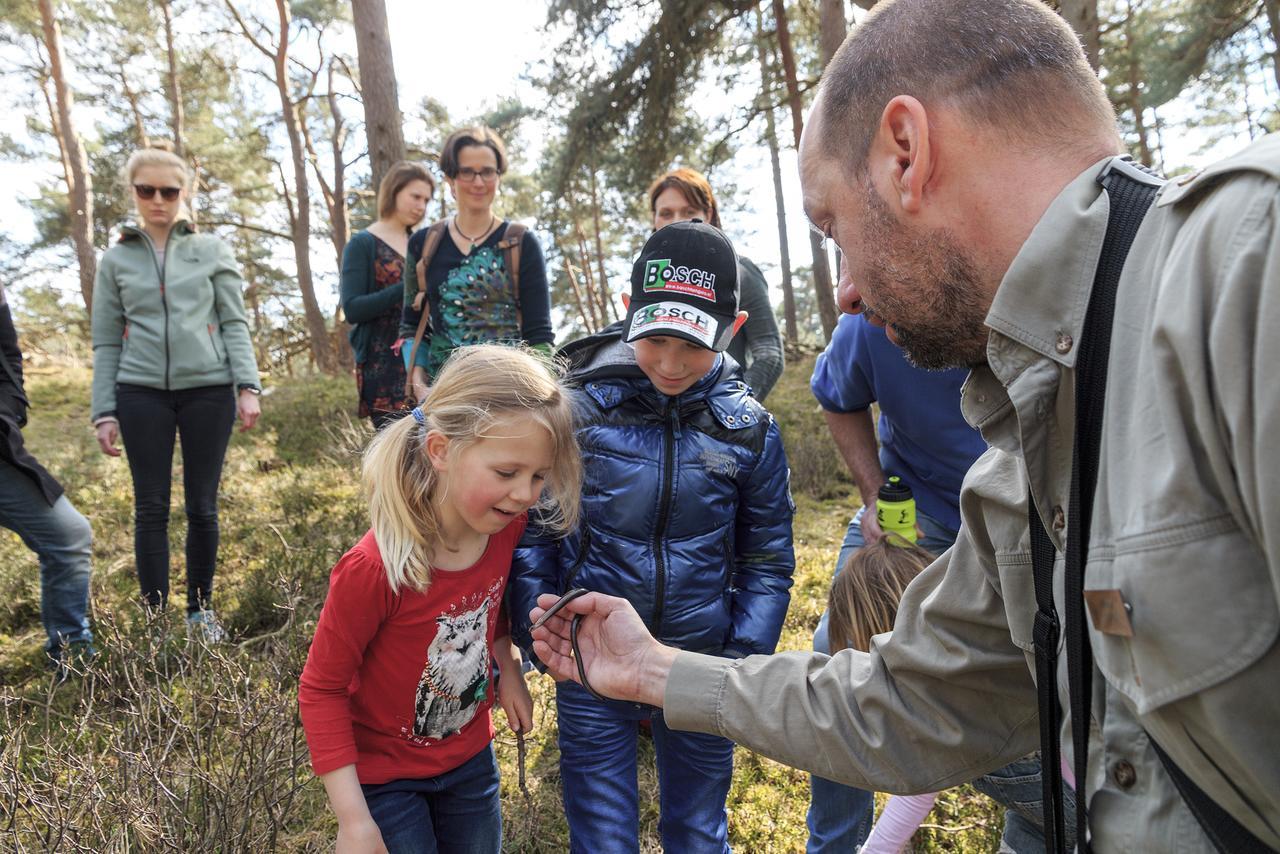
{"x": 396, "y": 693}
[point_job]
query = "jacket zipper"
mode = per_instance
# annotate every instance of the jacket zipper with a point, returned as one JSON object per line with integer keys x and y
{"x": 727, "y": 543}
{"x": 164, "y": 303}
{"x": 670, "y": 416}
{"x": 583, "y": 547}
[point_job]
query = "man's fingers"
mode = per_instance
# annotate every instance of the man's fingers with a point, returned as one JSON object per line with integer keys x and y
{"x": 587, "y": 603}
{"x": 559, "y": 665}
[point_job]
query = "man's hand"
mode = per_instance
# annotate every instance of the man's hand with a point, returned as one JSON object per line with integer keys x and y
{"x": 871, "y": 530}
{"x": 621, "y": 658}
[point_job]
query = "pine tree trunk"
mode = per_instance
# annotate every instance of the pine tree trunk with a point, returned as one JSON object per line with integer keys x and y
{"x": 173, "y": 88}
{"x": 301, "y": 230}
{"x": 604, "y": 281}
{"x": 827, "y": 311}
{"x": 1082, "y": 15}
{"x": 79, "y": 181}
{"x": 1273, "y": 20}
{"x": 382, "y": 119}
{"x": 1135, "y": 92}
{"x": 831, "y": 29}
{"x": 139, "y": 128}
{"x": 771, "y": 137}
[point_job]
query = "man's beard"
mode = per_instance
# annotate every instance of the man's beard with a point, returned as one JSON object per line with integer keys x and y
{"x": 941, "y": 322}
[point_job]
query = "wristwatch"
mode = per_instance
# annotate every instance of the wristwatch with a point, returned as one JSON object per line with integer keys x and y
{"x": 252, "y": 389}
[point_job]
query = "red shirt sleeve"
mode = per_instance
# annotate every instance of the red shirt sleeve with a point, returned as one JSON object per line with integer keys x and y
{"x": 359, "y": 601}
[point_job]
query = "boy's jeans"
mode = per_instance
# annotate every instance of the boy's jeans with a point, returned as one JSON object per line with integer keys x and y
{"x": 61, "y": 539}
{"x": 457, "y": 812}
{"x": 840, "y": 816}
{"x": 598, "y": 770}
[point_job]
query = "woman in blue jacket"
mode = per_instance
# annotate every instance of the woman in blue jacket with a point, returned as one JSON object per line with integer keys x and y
{"x": 372, "y": 290}
{"x": 686, "y": 513}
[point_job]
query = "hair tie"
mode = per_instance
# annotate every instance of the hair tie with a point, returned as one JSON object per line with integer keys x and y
{"x": 419, "y": 415}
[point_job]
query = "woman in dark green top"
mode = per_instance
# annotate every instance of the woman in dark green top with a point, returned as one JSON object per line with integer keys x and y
{"x": 372, "y": 270}
{"x": 683, "y": 194}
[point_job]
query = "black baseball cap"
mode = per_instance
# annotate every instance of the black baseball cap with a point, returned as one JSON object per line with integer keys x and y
{"x": 685, "y": 285}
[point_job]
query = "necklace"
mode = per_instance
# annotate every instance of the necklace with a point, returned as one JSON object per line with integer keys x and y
{"x": 480, "y": 236}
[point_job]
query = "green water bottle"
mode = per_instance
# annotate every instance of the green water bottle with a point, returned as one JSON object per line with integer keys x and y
{"x": 896, "y": 510}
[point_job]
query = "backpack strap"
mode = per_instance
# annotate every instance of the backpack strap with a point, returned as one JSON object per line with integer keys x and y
{"x": 430, "y": 243}
{"x": 509, "y": 245}
{"x": 1131, "y": 191}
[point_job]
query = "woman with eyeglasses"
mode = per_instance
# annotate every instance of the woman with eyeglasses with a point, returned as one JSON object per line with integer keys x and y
{"x": 484, "y": 280}
{"x": 372, "y": 291}
{"x": 684, "y": 194}
{"x": 171, "y": 357}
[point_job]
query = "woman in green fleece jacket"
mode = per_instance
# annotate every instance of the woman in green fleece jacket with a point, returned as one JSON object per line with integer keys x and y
{"x": 171, "y": 357}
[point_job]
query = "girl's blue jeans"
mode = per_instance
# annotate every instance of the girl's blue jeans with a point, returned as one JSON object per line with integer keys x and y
{"x": 457, "y": 812}
{"x": 598, "y": 770}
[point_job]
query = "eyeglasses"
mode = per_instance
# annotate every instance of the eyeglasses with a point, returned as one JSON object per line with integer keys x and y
{"x": 148, "y": 192}
{"x": 467, "y": 175}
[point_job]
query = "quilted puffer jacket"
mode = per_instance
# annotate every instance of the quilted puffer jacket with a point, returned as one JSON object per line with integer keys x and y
{"x": 686, "y": 507}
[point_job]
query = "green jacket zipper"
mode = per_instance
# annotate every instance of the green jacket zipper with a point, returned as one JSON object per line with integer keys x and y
{"x": 164, "y": 303}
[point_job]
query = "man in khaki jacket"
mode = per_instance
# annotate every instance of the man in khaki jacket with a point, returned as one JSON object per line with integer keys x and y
{"x": 953, "y": 155}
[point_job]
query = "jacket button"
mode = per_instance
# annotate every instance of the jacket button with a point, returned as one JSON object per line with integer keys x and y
{"x": 1064, "y": 343}
{"x": 1059, "y": 518}
{"x": 1124, "y": 775}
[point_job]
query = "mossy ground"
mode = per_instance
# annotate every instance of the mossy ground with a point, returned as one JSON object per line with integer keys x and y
{"x": 163, "y": 745}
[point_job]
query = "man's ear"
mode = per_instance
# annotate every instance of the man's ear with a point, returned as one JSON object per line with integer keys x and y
{"x": 738, "y": 321}
{"x": 626, "y": 301}
{"x": 437, "y": 448}
{"x": 901, "y": 152}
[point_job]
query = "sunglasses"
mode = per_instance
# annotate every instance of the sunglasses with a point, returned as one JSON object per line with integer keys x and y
{"x": 148, "y": 192}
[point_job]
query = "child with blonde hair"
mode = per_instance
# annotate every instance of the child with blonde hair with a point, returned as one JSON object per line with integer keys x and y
{"x": 395, "y": 697}
{"x": 864, "y": 602}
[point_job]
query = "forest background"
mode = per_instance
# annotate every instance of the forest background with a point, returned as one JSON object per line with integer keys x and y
{"x": 289, "y": 112}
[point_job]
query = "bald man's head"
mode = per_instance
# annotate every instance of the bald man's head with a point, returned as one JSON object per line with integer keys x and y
{"x": 1010, "y": 66}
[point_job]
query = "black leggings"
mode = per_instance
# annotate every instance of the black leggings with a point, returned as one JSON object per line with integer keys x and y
{"x": 149, "y": 421}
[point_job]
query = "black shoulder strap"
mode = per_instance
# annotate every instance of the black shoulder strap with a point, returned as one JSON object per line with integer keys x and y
{"x": 1130, "y": 192}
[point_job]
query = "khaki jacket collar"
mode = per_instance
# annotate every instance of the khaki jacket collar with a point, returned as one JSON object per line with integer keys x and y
{"x": 1041, "y": 301}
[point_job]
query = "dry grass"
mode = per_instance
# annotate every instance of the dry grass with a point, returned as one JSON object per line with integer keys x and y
{"x": 162, "y": 745}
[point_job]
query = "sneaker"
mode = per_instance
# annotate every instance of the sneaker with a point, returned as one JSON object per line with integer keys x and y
{"x": 204, "y": 625}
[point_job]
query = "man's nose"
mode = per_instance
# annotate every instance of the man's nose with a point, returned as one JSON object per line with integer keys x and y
{"x": 848, "y": 297}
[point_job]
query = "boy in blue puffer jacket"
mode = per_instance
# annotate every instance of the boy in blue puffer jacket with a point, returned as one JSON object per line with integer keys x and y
{"x": 686, "y": 513}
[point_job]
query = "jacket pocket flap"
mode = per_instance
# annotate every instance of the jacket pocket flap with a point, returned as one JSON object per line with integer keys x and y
{"x": 1200, "y": 605}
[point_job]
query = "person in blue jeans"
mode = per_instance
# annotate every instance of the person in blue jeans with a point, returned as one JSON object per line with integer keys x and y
{"x": 33, "y": 506}
{"x": 924, "y": 440}
{"x": 686, "y": 513}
